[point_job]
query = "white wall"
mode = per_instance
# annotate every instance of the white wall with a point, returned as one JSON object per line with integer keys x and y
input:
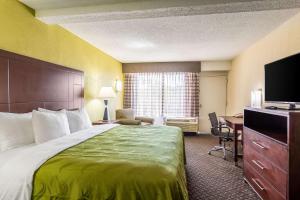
{"x": 215, "y": 66}
{"x": 247, "y": 71}
{"x": 213, "y": 92}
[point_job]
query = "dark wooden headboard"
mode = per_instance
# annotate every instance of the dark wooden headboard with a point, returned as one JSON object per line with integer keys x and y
{"x": 27, "y": 83}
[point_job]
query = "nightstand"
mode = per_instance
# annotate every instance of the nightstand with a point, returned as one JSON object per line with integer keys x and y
{"x": 99, "y": 122}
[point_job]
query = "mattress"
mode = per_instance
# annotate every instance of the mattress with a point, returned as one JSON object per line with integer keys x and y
{"x": 122, "y": 162}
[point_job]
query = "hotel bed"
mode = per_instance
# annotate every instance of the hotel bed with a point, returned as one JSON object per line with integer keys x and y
{"x": 101, "y": 162}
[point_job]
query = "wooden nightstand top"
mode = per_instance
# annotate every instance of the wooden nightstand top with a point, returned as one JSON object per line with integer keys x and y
{"x": 99, "y": 122}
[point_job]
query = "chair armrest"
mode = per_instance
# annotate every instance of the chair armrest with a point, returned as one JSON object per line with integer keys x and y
{"x": 145, "y": 119}
{"x": 224, "y": 126}
{"x": 129, "y": 122}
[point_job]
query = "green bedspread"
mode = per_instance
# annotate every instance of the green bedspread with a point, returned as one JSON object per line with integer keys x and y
{"x": 126, "y": 162}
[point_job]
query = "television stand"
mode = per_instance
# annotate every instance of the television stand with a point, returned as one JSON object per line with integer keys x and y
{"x": 292, "y": 106}
{"x": 271, "y": 152}
{"x": 271, "y": 107}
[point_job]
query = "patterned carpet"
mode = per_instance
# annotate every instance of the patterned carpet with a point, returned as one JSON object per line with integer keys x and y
{"x": 210, "y": 177}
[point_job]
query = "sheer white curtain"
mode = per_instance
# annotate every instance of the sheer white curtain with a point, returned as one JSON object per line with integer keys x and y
{"x": 174, "y": 94}
{"x": 171, "y": 94}
{"x": 148, "y": 94}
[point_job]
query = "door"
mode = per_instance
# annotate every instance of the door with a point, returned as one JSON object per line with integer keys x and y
{"x": 213, "y": 91}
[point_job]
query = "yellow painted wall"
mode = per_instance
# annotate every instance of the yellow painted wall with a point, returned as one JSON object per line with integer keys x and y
{"x": 21, "y": 33}
{"x": 247, "y": 71}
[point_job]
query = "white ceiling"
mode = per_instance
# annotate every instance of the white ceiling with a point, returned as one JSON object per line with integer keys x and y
{"x": 191, "y": 38}
{"x": 149, "y": 31}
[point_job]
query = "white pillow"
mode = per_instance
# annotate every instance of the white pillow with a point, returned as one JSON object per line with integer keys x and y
{"x": 53, "y": 111}
{"x": 15, "y": 130}
{"x": 49, "y": 125}
{"x": 78, "y": 120}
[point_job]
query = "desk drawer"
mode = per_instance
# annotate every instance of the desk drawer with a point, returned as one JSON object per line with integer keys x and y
{"x": 273, "y": 174}
{"x": 260, "y": 185}
{"x": 274, "y": 152}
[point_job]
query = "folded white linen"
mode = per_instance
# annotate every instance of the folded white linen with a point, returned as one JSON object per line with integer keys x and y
{"x": 17, "y": 166}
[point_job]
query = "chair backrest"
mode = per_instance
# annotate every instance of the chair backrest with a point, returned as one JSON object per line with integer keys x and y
{"x": 215, "y": 130}
{"x": 125, "y": 114}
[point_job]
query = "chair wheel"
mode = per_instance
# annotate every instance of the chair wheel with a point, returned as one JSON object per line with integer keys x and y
{"x": 209, "y": 153}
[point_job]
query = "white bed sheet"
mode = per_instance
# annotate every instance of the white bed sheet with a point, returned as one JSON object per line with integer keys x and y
{"x": 17, "y": 166}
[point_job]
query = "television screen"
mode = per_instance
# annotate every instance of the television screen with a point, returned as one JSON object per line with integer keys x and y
{"x": 282, "y": 80}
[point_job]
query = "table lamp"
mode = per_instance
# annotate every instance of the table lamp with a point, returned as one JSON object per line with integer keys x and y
{"x": 106, "y": 93}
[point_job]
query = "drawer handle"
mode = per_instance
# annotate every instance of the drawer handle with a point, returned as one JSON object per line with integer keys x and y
{"x": 258, "y": 164}
{"x": 259, "y": 145}
{"x": 258, "y": 185}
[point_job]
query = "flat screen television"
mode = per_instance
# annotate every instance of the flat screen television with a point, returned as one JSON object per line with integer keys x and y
{"x": 282, "y": 81}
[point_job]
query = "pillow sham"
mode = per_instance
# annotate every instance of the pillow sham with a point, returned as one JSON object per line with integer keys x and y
{"x": 49, "y": 125}
{"x": 51, "y": 111}
{"x": 56, "y": 111}
{"x": 129, "y": 122}
{"x": 78, "y": 120}
{"x": 15, "y": 130}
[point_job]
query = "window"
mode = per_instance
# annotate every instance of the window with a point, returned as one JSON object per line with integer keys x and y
{"x": 171, "y": 94}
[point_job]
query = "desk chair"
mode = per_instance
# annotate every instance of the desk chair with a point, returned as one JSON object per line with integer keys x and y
{"x": 217, "y": 131}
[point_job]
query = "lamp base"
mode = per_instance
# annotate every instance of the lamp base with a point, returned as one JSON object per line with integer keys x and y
{"x": 106, "y": 113}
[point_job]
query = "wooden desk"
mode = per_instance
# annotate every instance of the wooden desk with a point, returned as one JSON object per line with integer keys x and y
{"x": 237, "y": 125}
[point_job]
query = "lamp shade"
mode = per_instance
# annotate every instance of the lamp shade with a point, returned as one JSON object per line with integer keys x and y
{"x": 107, "y": 92}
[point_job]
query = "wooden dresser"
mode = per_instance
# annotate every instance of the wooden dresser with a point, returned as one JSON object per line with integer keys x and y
{"x": 272, "y": 152}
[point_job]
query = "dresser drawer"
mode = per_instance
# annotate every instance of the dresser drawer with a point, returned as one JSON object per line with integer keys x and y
{"x": 260, "y": 185}
{"x": 275, "y": 152}
{"x": 273, "y": 174}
